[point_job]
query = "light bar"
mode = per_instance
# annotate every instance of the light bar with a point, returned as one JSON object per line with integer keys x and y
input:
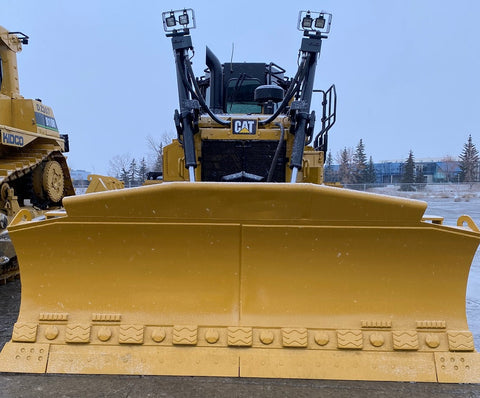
{"x": 178, "y": 20}
{"x": 312, "y": 21}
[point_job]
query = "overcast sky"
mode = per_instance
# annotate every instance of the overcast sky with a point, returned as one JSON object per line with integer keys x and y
{"x": 406, "y": 71}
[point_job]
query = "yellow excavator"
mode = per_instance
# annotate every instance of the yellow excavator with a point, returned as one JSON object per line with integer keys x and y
{"x": 33, "y": 169}
{"x": 241, "y": 263}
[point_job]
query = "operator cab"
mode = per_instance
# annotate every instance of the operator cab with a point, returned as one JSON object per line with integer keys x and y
{"x": 230, "y": 96}
{"x": 242, "y": 88}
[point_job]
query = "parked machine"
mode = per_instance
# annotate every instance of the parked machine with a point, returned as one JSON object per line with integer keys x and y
{"x": 241, "y": 263}
{"x": 33, "y": 169}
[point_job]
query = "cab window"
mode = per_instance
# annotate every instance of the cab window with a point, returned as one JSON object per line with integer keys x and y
{"x": 240, "y": 96}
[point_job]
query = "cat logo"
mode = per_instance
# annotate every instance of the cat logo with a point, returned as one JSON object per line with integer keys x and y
{"x": 244, "y": 126}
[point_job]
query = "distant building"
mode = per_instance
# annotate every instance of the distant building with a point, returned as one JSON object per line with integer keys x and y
{"x": 79, "y": 178}
{"x": 434, "y": 170}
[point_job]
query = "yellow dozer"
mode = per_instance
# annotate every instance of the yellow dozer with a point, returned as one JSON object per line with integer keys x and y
{"x": 33, "y": 170}
{"x": 241, "y": 263}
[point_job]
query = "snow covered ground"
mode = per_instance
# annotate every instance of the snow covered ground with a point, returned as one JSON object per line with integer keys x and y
{"x": 458, "y": 192}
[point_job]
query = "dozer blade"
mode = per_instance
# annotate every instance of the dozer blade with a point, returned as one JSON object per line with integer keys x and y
{"x": 254, "y": 280}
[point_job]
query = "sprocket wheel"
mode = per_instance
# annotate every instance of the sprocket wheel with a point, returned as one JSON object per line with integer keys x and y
{"x": 53, "y": 181}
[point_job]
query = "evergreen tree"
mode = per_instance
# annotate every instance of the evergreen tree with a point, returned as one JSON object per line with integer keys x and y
{"x": 419, "y": 177}
{"x": 469, "y": 162}
{"x": 132, "y": 172}
{"x": 370, "y": 175}
{"x": 124, "y": 176}
{"x": 329, "y": 173}
{"x": 345, "y": 169}
{"x": 359, "y": 164}
{"x": 142, "y": 171}
{"x": 408, "y": 176}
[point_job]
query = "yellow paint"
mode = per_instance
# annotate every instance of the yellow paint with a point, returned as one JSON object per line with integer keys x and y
{"x": 29, "y": 138}
{"x": 174, "y": 162}
{"x": 256, "y": 280}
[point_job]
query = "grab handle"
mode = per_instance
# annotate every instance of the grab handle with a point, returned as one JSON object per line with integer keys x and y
{"x": 466, "y": 219}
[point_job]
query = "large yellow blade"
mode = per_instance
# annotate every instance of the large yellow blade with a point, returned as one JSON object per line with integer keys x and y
{"x": 257, "y": 280}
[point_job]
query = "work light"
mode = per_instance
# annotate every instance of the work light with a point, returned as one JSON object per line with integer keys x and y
{"x": 183, "y": 19}
{"x": 320, "y": 22}
{"x": 314, "y": 22}
{"x": 307, "y": 22}
{"x": 178, "y": 20}
{"x": 170, "y": 21}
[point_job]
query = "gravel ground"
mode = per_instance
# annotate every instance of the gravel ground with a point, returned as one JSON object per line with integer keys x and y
{"x": 9, "y": 306}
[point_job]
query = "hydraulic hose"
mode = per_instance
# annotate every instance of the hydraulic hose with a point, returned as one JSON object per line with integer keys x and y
{"x": 199, "y": 97}
{"x": 290, "y": 92}
{"x": 277, "y": 153}
{"x": 196, "y": 95}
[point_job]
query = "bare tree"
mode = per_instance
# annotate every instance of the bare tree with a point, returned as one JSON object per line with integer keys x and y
{"x": 449, "y": 165}
{"x": 118, "y": 164}
{"x": 156, "y": 147}
{"x": 345, "y": 160}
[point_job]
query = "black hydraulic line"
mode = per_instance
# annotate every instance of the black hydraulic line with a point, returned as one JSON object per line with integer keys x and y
{"x": 188, "y": 141}
{"x": 196, "y": 92}
{"x": 294, "y": 87}
{"x": 199, "y": 97}
{"x": 181, "y": 78}
{"x": 186, "y": 109}
{"x": 290, "y": 92}
{"x": 185, "y": 82}
{"x": 302, "y": 115}
{"x": 307, "y": 88}
{"x": 296, "y": 159}
{"x": 288, "y": 96}
{"x": 185, "y": 77}
{"x": 277, "y": 153}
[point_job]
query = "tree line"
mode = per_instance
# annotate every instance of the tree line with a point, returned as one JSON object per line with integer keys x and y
{"x": 469, "y": 165}
{"x": 132, "y": 171}
{"x": 353, "y": 167}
